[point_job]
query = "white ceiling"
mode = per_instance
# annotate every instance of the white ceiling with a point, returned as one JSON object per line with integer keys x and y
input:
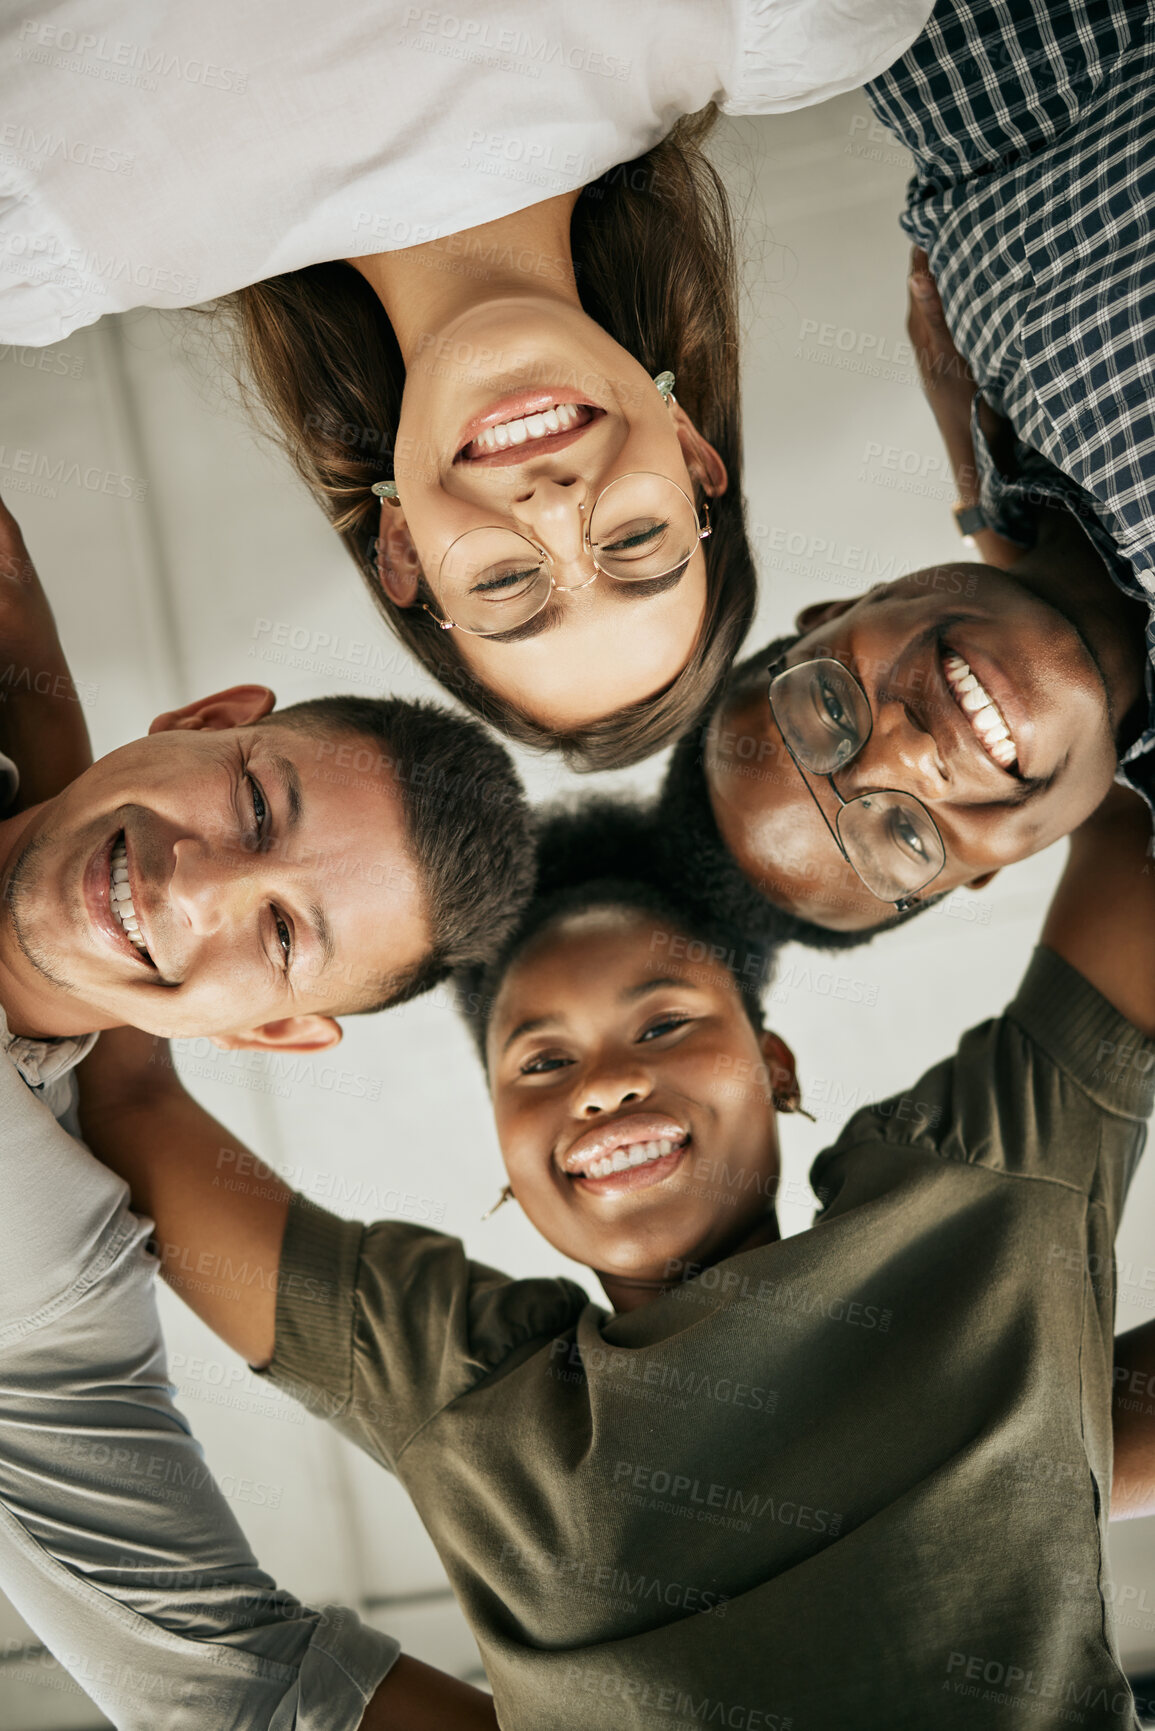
{"x": 183, "y": 590}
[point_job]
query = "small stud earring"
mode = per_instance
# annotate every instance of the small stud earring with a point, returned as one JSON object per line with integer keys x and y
{"x": 792, "y": 1103}
{"x": 386, "y": 490}
{"x": 665, "y": 384}
{"x": 506, "y": 1196}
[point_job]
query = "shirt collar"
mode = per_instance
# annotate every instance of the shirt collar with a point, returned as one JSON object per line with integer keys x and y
{"x": 40, "y": 1062}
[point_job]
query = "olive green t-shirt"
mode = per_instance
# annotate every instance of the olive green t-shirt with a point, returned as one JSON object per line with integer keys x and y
{"x": 859, "y": 1477}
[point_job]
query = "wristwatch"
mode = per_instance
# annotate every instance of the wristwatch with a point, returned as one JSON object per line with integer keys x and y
{"x": 971, "y": 519}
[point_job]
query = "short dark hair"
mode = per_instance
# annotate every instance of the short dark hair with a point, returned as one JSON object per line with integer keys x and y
{"x": 696, "y": 859}
{"x": 466, "y": 817}
{"x": 602, "y": 852}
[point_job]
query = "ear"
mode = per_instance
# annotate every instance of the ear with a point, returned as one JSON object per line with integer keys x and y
{"x": 780, "y": 1066}
{"x": 980, "y": 883}
{"x": 239, "y": 706}
{"x": 705, "y": 465}
{"x": 398, "y": 567}
{"x": 293, "y": 1034}
{"x": 822, "y": 613}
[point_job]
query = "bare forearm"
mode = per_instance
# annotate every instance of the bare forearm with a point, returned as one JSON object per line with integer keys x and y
{"x": 42, "y": 726}
{"x": 950, "y": 390}
{"x": 1133, "y": 1412}
{"x": 1102, "y": 916}
{"x": 220, "y": 1212}
{"x": 415, "y": 1697}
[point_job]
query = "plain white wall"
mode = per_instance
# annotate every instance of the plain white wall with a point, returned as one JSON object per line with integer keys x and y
{"x": 219, "y": 569}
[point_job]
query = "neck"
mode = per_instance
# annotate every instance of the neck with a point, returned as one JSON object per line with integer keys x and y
{"x": 1064, "y": 569}
{"x": 630, "y": 1292}
{"x": 424, "y": 288}
{"x": 34, "y": 1005}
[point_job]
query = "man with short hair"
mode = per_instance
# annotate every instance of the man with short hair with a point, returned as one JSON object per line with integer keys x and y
{"x": 250, "y": 876}
{"x": 912, "y": 740}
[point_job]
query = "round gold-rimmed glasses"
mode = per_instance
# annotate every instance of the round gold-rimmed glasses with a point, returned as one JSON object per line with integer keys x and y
{"x": 640, "y": 528}
{"x": 886, "y": 836}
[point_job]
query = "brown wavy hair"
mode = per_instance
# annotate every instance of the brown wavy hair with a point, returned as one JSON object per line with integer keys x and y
{"x": 654, "y": 257}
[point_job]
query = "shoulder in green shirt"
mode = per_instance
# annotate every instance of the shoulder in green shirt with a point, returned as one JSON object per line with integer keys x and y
{"x": 859, "y": 1476}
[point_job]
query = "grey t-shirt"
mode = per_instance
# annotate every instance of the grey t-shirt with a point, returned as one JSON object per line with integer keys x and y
{"x": 116, "y": 1544}
{"x": 856, "y": 1477}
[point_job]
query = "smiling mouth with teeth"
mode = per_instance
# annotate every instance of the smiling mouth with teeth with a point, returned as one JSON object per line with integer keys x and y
{"x": 120, "y": 898}
{"x": 987, "y": 721}
{"x": 637, "y": 1154}
{"x": 562, "y": 418}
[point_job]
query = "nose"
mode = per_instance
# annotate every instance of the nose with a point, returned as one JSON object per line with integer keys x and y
{"x": 900, "y": 753}
{"x": 206, "y": 887}
{"x": 605, "y": 1091}
{"x": 551, "y": 508}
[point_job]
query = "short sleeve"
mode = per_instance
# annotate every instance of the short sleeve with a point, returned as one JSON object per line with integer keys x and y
{"x": 116, "y": 1544}
{"x": 1059, "y": 1088}
{"x": 794, "y": 53}
{"x": 379, "y": 1327}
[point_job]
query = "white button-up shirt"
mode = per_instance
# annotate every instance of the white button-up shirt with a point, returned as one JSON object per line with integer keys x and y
{"x": 156, "y": 154}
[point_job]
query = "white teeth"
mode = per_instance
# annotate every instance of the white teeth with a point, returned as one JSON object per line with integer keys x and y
{"x": 981, "y": 711}
{"x": 556, "y": 420}
{"x": 623, "y": 1159}
{"x": 119, "y": 896}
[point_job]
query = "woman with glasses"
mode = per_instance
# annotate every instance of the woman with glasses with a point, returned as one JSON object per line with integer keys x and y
{"x": 466, "y": 255}
{"x": 649, "y": 1511}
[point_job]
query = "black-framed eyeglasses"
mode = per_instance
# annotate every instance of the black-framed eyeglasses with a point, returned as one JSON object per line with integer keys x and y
{"x": 887, "y": 837}
{"x": 641, "y": 527}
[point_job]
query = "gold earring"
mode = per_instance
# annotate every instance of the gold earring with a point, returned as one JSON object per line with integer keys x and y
{"x": 506, "y": 1196}
{"x": 386, "y": 491}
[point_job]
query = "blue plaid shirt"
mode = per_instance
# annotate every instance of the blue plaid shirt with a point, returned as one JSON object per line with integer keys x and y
{"x": 1032, "y": 126}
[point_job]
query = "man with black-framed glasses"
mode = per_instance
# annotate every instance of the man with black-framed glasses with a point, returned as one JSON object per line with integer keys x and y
{"x": 964, "y": 717}
{"x": 888, "y": 838}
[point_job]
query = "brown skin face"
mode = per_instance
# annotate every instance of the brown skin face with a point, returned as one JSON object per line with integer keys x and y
{"x": 1035, "y": 664}
{"x": 610, "y": 1030}
{"x": 268, "y": 893}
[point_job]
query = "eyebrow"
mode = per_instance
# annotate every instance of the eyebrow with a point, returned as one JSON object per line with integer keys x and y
{"x": 551, "y": 616}
{"x": 285, "y": 771}
{"x": 322, "y": 931}
{"x": 548, "y": 619}
{"x": 647, "y": 587}
{"x": 631, "y": 995}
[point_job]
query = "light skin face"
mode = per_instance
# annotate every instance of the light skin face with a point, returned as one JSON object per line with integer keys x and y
{"x": 471, "y": 346}
{"x": 268, "y": 893}
{"x": 1059, "y": 688}
{"x": 605, "y": 1026}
